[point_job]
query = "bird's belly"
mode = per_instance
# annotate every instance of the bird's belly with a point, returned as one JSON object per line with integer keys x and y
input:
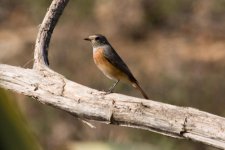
{"x": 107, "y": 68}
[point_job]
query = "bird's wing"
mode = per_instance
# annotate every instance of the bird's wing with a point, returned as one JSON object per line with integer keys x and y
{"x": 111, "y": 55}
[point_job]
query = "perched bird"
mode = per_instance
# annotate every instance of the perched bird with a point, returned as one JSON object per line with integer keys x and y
{"x": 110, "y": 63}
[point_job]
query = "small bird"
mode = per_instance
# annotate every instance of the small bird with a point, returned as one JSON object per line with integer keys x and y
{"x": 110, "y": 63}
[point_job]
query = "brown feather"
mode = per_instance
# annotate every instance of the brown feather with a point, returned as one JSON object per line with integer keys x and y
{"x": 136, "y": 85}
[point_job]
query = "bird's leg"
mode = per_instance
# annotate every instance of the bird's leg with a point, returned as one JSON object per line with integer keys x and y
{"x": 111, "y": 88}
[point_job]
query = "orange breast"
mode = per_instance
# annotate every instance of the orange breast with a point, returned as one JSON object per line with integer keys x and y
{"x": 99, "y": 58}
{"x": 106, "y": 67}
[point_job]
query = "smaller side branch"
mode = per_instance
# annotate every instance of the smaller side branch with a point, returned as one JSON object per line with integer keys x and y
{"x": 44, "y": 35}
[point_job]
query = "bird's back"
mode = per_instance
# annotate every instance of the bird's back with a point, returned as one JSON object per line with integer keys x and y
{"x": 111, "y": 55}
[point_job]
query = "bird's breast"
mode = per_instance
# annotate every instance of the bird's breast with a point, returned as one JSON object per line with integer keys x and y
{"x": 99, "y": 58}
{"x": 105, "y": 66}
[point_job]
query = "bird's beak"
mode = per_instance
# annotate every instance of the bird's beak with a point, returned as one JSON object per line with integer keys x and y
{"x": 87, "y": 39}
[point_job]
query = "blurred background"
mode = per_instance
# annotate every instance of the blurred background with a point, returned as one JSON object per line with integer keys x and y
{"x": 175, "y": 48}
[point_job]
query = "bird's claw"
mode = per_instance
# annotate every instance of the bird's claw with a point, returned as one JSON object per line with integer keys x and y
{"x": 107, "y": 92}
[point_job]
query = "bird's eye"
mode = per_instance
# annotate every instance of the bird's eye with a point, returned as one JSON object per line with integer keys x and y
{"x": 97, "y": 38}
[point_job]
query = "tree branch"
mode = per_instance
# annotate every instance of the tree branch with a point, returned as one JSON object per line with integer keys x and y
{"x": 51, "y": 88}
{"x": 44, "y": 35}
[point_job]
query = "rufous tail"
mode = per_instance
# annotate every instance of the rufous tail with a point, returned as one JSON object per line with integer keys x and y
{"x": 136, "y": 85}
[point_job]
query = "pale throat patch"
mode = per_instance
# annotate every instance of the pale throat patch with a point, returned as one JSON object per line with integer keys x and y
{"x": 100, "y": 47}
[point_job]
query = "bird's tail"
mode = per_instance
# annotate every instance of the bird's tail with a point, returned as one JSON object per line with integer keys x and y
{"x": 136, "y": 85}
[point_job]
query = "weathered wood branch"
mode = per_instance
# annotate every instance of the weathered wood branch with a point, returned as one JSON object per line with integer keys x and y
{"x": 46, "y": 28}
{"x": 55, "y": 90}
{"x": 51, "y": 88}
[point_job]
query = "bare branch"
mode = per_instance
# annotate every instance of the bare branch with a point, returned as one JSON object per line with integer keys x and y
{"x": 51, "y": 88}
{"x": 117, "y": 109}
{"x": 44, "y": 35}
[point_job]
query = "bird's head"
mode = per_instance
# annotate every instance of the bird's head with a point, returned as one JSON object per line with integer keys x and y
{"x": 97, "y": 40}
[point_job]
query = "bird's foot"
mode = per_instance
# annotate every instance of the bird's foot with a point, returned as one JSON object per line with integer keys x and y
{"x": 107, "y": 92}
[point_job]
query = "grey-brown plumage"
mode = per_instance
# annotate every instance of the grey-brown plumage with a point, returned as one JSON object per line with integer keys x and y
{"x": 110, "y": 63}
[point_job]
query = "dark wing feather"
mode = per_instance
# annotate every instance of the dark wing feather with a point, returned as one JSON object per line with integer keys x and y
{"x": 111, "y": 55}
